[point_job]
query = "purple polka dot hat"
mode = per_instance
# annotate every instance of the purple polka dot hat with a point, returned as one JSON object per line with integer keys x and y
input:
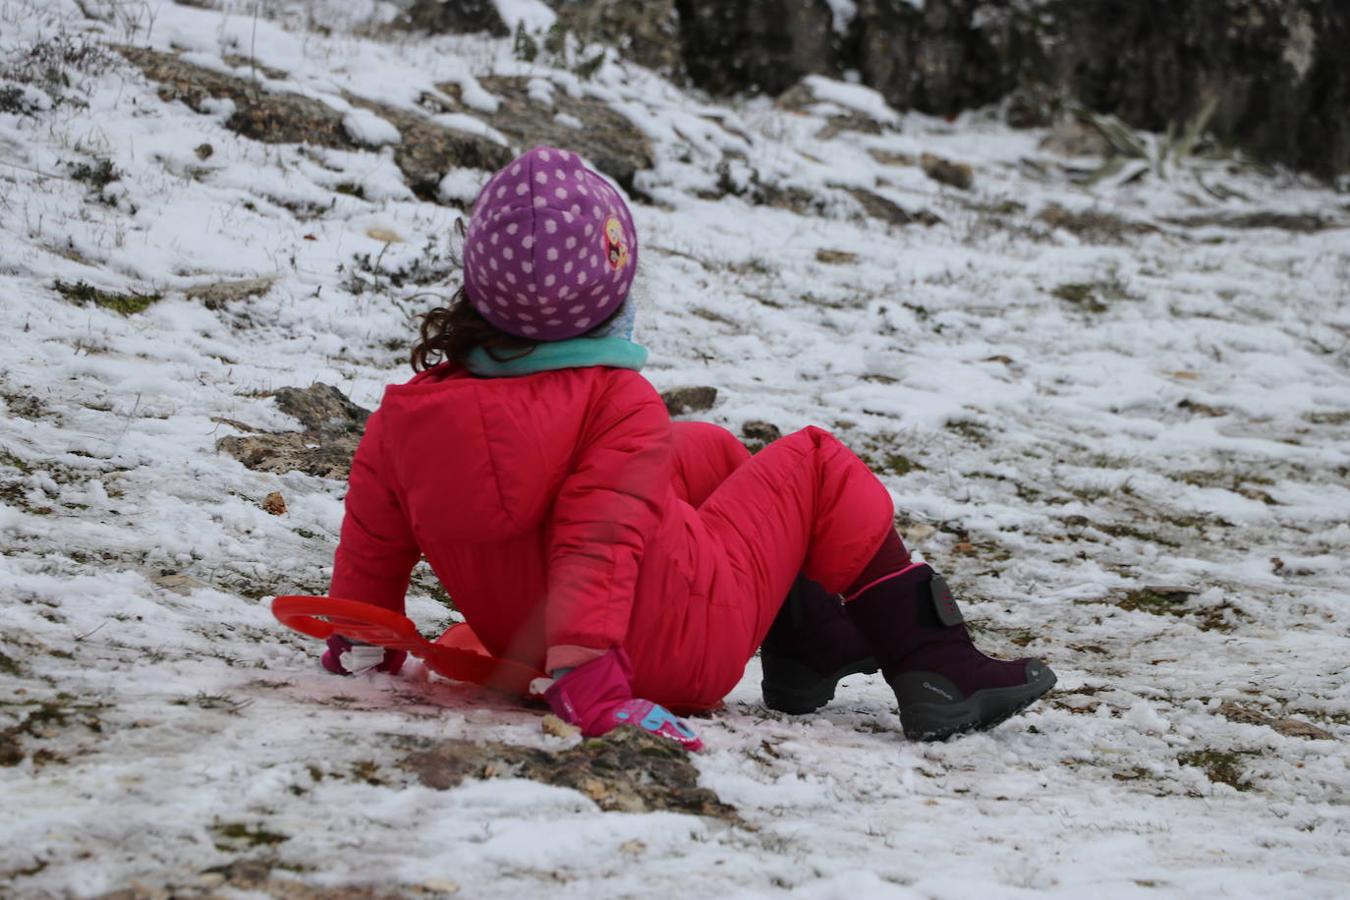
{"x": 551, "y": 249}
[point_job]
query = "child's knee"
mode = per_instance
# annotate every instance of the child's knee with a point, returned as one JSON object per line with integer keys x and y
{"x": 712, "y": 440}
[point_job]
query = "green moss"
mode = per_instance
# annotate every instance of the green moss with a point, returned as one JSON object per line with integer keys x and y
{"x": 84, "y": 293}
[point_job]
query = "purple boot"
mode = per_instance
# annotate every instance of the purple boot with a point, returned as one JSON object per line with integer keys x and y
{"x": 811, "y": 646}
{"x": 944, "y": 685}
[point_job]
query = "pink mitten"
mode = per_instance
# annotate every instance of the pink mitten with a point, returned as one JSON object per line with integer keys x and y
{"x": 344, "y": 657}
{"x": 598, "y": 697}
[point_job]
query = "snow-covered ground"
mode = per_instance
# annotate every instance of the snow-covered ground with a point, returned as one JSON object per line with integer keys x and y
{"x": 1117, "y": 423}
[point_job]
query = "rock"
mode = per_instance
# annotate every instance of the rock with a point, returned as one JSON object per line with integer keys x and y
{"x": 890, "y": 158}
{"x": 607, "y": 138}
{"x": 956, "y": 174}
{"x": 1275, "y": 69}
{"x": 683, "y": 400}
{"x": 428, "y": 150}
{"x": 333, "y": 427}
{"x": 878, "y": 207}
{"x": 322, "y": 408}
{"x": 274, "y": 504}
{"x": 757, "y": 45}
{"x": 803, "y": 98}
{"x": 757, "y": 434}
{"x": 425, "y": 152}
{"x": 938, "y": 57}
{"x": 628, "y": 770}
{"x": 645, "y": 31}
{"x": 455, "y": 17}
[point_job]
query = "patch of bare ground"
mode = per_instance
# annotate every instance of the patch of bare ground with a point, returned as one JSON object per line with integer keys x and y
{"x": 424, "y": 153}
{"x": 604, "y": 136}
{"x": 628, "y": 770}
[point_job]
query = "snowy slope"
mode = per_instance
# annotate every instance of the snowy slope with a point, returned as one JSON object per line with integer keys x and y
{"x": 1115, "y": 414}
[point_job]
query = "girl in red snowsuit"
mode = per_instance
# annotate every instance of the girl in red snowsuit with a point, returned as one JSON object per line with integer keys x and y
{"x": 639, "y": 562}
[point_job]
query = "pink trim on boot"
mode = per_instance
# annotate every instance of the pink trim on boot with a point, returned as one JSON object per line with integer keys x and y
{"x": 896, "y": 574}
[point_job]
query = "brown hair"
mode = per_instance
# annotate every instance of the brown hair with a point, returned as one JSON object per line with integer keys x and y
{"x": 449, "y": 333}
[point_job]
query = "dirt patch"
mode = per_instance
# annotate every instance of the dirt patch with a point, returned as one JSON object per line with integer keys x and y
{"x": 333, "y": 427}
{"x": 628, "y": 770}
{"x": 1093, "y": 226}
{"x": 1300, "y": 223}
{"x": 219, "y": 294}
{"x": 957, "y": 174}
{"x": 1288, "y": 727}
{"x": 1220, "y": 766}
{"x": 424, "y": 153}
{"x": 42, "y": 719}
{"x": 878, "y": 207}
{"x": 269, "y": 876}
{"x": 605, "y": 137}
{"x": 1175, "y": 601}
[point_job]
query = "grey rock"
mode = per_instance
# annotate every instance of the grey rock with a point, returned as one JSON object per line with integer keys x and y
{"x": 757, "y": 45}
{"x": 683, "y": 400}
{"x": 455, "y": 17}
{"x": 645, "y": 31}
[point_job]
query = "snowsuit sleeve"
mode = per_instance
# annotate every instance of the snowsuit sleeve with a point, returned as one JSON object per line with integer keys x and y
{"x": 376, "y": 551}
{"x": 608, "y": 508}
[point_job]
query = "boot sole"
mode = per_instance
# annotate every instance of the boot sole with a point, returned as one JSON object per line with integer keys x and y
{"x": 817, "y": 691}
{"x": 982, "y": 710}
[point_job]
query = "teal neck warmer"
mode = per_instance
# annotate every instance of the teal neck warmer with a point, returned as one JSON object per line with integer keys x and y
{"x": 574, "y": 353}
{"x": 610, "y": 345}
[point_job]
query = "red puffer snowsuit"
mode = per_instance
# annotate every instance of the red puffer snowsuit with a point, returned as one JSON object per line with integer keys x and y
{"x": 566, "y": 515}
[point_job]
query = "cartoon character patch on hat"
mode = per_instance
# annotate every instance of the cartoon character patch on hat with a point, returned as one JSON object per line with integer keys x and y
{"x": 616, "y": 247}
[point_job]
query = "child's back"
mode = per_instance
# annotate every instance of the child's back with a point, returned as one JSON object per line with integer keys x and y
{"x": 474, "y": 474}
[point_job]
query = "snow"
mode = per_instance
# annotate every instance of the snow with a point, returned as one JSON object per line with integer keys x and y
{"x": 842, "y": 14}
{"x": 533, "y": 15}
{"x": 1182, "y": 426}
{"x": 364, "y": 127}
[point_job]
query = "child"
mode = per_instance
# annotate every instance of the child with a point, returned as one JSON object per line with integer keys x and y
{"x": 639, "y": 562}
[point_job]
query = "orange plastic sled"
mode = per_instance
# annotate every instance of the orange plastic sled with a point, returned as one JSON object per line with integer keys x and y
{"x": 456, "y": 654}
